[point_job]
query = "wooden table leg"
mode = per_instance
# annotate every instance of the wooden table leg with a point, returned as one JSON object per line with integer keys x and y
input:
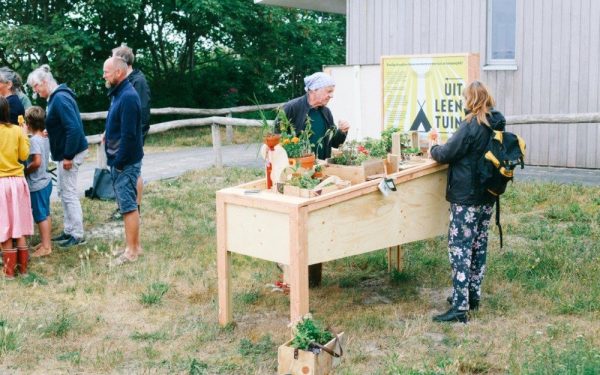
{"x": 223, "y": 267}
{"x": 298, "y": 264}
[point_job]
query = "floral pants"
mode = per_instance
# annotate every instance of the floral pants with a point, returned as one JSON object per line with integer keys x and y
{"x": 467, "y": 250}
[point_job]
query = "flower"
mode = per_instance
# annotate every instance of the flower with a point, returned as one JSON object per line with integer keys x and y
{"x": 295, "y": 140}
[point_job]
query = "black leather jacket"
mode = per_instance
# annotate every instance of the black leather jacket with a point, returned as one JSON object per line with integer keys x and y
{"x": 462, "y": 151}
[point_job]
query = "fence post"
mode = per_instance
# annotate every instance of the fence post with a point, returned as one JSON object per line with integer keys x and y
{"x": 216, "y": 141}
{"x": 229, "y": 132}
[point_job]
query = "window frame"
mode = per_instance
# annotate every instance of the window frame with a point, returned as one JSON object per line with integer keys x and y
{"x": 498, "y": 64}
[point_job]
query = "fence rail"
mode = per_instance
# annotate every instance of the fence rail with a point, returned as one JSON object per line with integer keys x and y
{"x": 590, "y": 141}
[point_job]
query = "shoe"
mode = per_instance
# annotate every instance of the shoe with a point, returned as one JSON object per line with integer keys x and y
{"x": 122, "y": 259}
{"x": 451, "y": 316}
{"x": 473, "y": 303}
{"x": 72, "y": 242}
{"x": 61, "y": 237}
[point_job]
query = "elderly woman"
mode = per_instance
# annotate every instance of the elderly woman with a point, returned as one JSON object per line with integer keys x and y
{"x": 319, "y": 89}
{"x": 312, "y": 106}
{"x": 9, "y": 91}
{"x": 68, "y": 147}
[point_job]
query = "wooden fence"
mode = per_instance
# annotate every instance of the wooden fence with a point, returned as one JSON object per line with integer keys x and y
{"x": 561, "y": 140}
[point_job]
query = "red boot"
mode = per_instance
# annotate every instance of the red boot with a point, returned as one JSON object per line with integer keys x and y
{"x": 9, "y": 261}
{"x": 22, "y": 259}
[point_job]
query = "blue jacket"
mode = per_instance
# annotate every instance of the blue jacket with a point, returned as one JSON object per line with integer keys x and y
{"x": 64, "y": 126}
{"x": 123, "y": 135}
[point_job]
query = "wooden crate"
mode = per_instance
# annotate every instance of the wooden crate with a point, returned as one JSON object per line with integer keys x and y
{"x": 295, "y": 191}
{"x": 308, "y": 363}
{"x": 357, "y": 173}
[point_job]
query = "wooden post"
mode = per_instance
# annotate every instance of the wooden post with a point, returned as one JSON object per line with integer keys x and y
{"x": 216, "y": 140}
{"x": 298, "y": 263}
{"x": 229, "y": 132}
{"x": 395, "y": 258}
{"x": 223, "y": 266}
{"x": 396, "y": 143}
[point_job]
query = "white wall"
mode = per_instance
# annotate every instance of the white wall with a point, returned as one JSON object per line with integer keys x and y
{"x": 357, "y": 98}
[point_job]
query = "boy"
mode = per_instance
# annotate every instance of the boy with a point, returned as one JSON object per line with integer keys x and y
{"x": 38, "y": 179}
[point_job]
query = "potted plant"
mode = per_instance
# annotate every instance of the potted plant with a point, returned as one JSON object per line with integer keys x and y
{"x": 298, "y": 147}
{"x": 355, "y": 163}
{"x": 312, "y": 350}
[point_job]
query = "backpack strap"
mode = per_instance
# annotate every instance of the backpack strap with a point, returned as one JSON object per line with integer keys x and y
{"x": 498, "y": 219}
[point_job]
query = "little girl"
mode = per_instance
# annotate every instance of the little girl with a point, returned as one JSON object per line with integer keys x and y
{"x": 15, "y": 205}
{"x": 38, "y": 178}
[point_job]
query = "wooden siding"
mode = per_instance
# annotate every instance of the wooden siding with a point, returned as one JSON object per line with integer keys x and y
{"x": 557, "y": 58}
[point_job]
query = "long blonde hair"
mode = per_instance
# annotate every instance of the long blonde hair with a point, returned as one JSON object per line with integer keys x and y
{"x": 478, "y": 101}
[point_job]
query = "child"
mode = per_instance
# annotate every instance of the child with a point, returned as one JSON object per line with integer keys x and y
{"x": 15, "y": 204}
{"x": 38, "y": 179}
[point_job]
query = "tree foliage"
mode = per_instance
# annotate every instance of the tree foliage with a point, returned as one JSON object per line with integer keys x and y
{"x": 197, "y": 53}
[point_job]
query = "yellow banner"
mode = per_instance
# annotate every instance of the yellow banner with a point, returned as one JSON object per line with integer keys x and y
{"x": 421, "y": 92}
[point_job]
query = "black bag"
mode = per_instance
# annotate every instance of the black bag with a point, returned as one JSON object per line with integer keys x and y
{"x": 503, "y": 153}
{"x": 102, "y": 186}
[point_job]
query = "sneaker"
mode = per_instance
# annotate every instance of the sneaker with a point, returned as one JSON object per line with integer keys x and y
{"x": 71, "y": 242}
{"x": 62, "y": 237}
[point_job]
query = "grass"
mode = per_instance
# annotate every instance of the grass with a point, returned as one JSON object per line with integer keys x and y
{"x": 539, "y": 314}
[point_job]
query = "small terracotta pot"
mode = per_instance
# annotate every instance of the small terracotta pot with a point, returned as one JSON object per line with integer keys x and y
{"x": 272, "y": 140}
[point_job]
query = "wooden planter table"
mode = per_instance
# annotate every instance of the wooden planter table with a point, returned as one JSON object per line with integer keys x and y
{"x": 299, "y": 232}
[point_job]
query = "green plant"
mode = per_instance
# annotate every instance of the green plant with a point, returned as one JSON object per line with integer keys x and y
{"x": 351, "y": 153}
{"x": 9, "y": 337}
{"x": 304, "y": 181}
{"x": 60, "y": 326}
{"x": 307, "y": 331}
{"x": 155, "y": 293}
{"x": 295, "y": 145}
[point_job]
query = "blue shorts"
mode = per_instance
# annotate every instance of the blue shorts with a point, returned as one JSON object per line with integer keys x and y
{"x": 125, "y": 185}
{"x": 40, "y": 203}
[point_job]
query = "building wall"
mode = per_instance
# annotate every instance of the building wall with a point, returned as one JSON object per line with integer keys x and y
{"x": 557, "y": 58}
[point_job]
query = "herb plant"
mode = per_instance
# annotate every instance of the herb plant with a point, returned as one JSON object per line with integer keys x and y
{"x": 308, "y": 331}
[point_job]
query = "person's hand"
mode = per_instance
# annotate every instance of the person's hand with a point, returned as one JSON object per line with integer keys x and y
{"x": 67, "y": 164}
{"x": 433, "y": 137}
{"x": 102, "y": 137}
{"x": 45, "y": 133}
{"x": 343, "y": 126}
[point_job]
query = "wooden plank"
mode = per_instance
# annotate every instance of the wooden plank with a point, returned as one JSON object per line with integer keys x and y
{"x": 581, "y": 144}
{"x": 269, "y": 233}
{"x": 585, "y": 57}
{"x": 418, "y": 210}
{"x": 545, "y": 66}
{"x": 223, "y": 266}
{"x": 216, "y": 141}
{"x": 594, "y": 74}
{"x": 536, "y": 77}
{"x": 572, "y": 146}
{"x": 574, "y": 54}
{"x": 527, "y": 67}
{"x": 298, "y": 255}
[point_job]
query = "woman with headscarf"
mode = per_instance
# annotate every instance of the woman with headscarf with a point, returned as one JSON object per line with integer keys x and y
{"x": 319, "y": 89}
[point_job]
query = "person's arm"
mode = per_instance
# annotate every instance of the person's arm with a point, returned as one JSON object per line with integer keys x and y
{"x": 129, "y": 113}
{"x": 71, "y": 121}
{"x": 34, "y": 163}
{"x": 23, "y": 146}
{"x": 456, "y": 147}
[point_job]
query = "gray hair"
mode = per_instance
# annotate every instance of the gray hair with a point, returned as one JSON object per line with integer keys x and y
{"x": 7, "y": 76}
{"x": 41, "y": 74}
{"x": 124, "y": 53}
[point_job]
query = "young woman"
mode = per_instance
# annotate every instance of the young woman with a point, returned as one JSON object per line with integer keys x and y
{"x": 470, "y": 206}
{"x": 15, "y": 205}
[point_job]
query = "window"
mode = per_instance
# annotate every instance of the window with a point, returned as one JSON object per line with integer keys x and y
{"x": 501, "y": 30}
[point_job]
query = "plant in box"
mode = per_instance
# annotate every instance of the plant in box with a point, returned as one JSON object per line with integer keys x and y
{"x": 312, "y": 350}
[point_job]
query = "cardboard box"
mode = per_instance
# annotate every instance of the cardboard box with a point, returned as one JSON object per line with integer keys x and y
{"x": 291, "y": 361}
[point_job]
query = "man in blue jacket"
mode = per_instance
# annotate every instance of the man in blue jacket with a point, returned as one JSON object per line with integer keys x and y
{"x": 68, "y": 147}
{"x": 124, "y": 152}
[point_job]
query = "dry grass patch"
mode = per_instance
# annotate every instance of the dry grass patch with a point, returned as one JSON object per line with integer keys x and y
{"x": 539, "y": 313}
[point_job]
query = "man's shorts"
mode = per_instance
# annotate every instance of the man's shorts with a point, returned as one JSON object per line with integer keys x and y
{"x": 125, "y": 183}
{"x": 40, "y": 203}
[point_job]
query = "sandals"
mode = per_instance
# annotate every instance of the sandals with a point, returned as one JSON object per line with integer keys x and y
{"x": 120, "y": 260}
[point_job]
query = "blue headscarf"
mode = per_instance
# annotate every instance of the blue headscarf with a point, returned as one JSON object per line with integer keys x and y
{"x": 318, "y": 80}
